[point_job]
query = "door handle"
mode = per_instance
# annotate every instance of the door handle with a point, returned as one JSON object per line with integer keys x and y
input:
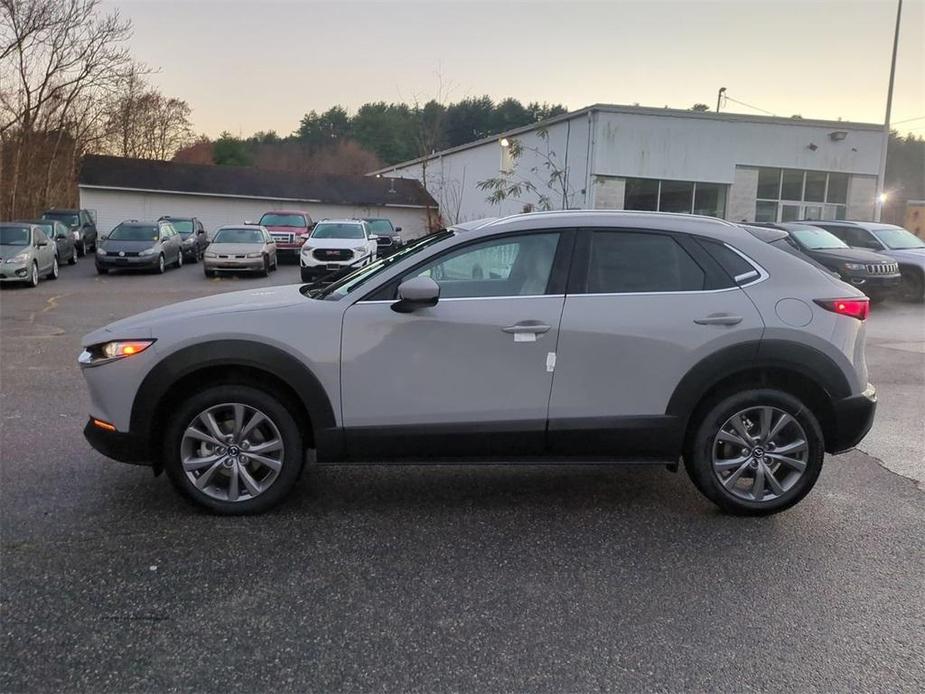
{"x": 719, "y": 319}
{"x": 528, "y": 326}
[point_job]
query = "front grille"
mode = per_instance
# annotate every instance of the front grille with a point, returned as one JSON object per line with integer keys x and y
{"x": 883, "y": 269}
{"x": 332, "y": 254}
{"x": 126, "y": 254}
{"x": 226, "y": 257}
{"x": 384, "y": 241}
{"x": 281, "y": 236}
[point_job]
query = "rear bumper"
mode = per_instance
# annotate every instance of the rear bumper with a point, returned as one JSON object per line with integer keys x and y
{"x": 853, "y": 418}
{"x": 121, "y": 446}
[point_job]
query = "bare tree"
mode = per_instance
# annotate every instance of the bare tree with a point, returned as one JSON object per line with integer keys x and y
{"x": 54, "y": 56}
{"x": 145, "y": 124}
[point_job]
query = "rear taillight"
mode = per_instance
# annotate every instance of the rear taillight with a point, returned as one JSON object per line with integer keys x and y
{"x": 854, "y": 308}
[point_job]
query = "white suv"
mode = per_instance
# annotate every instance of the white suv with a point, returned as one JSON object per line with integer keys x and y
{"x": 335, "y": 244}
{"x": 566, "y": 336}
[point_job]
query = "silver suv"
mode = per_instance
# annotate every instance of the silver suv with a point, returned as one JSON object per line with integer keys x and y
{"x": 566, "y": 336}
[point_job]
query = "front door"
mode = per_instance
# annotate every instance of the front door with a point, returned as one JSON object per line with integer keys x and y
{"x": 470, "y": 376}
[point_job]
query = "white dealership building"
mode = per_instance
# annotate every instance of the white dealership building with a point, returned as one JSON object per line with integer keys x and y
{"x": 738, "y": 167}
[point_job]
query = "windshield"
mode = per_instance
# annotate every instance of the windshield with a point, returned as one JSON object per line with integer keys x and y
{"x": 272, "y": 219}
{"x": 898, "y": 239}
{"x": 14, "y": 236}
{"x": 815, "y": 238}
{"x": 184, "y": 227}
{"x": 327, "y": 230}
{"x": 68, "y": 218}
{"x": 344, "y": 286}
{"x": 134, "y": 232}
{"x": 238, "y": 236}
{"x": 381, "y": 227}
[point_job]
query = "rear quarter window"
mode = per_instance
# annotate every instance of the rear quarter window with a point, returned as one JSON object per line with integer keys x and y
{"x": 739, "y": 269}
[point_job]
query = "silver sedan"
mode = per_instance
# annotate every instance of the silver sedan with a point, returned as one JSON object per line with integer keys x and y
{"x": 240, "y": 248}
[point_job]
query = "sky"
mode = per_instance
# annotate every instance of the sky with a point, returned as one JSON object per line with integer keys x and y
{"x": 253, "y": 65}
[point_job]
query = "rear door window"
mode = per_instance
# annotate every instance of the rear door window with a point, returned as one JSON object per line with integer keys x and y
{"x": 623, "y": 262}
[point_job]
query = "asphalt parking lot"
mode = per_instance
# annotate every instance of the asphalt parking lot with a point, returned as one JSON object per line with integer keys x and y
{"x": 541, "y": 578}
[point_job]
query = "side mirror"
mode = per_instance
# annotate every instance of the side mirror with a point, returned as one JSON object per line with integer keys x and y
{"x": 248, "y": 222}
{"x": 415, "y": 293}
{"x": 397, "y": 229}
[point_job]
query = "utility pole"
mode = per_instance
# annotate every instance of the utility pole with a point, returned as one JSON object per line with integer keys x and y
{"x": 881, "y": 176}
{"x": 719, "y": 96}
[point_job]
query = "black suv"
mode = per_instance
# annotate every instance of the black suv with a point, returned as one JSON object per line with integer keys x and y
{"x": 387, "y": 237}
{"x": 193, "y": 234}
{"x": 81, "y": 225}
{"x": 874, "y": 274}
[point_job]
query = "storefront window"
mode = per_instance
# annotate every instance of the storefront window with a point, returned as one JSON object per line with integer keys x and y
{"x": 675, "y": 196}
{"x": 786, "y": 195}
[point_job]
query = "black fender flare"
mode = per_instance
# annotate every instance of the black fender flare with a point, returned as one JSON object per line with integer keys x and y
{"x": 802, "y": 359}
{"x": 245, "y": 353}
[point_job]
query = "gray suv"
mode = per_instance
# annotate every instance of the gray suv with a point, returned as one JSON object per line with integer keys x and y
{"x": 565, "y": 336}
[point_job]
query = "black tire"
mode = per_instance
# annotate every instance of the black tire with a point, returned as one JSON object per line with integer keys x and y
{"x": 161, "y": 265}
{"x": 307, "y": 275}
{"x": 194, "y": 258}
{"x": 55, "y": 270}
{"x": 698, "y": 459}
{"x": 266, "y": 267}
{"x": 179, "y": 262}
{"x": 208, "y": 273}
{"x": 33, "y": 280}
{"x": 269, "y": 404}
{"x": 81, "y": 249}
{"x": 275, "y": 266}
{"x": 102, "y": 270}
{"x": 913, "y": 286}
{"x": 876, "y": 298}
{"x": 73, "y": 259}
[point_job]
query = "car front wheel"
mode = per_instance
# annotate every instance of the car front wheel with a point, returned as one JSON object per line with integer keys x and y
{"x": 233, "y": 449}
{"x": 73, "y": 259}
{"x": 756, "y": 452}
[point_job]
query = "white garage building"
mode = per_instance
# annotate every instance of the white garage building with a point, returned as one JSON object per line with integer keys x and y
{"x": 738, "y": 167}
{"x": 117, "y": 188}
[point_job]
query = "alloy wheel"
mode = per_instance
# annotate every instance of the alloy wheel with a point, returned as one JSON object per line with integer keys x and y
{"x": 760, "y": 453}
{"x": 34, "y": 275}
{"x": 232, "y": 452}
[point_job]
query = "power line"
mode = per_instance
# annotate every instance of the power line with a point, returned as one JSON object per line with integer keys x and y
{"x": 742, "y": 103}
{"x": 908, "y": 120}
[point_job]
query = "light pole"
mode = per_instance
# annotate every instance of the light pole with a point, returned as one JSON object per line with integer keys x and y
{"x": 881, "y": 175}
{"x": 719, "y": 97}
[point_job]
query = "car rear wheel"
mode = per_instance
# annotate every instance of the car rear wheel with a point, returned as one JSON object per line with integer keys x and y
{"x": 756, "y": 452}
{"x": 233, "y": 449}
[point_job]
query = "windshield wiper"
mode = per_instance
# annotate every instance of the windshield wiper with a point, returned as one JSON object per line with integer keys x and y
{"x": 317, "y": 284}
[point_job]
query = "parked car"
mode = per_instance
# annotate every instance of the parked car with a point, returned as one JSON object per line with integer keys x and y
{"x": 874, "y": 274}
{"x": 289, "y": 229}
{"x": 387, "y": 236}
{"x": 65, "y": 245}
{"x": 81, "y": 224}
{"x": 907, "y": 249}
{"x": 336, "y": 244}
{"x": 241, "y": 248}
{"x": 135, "y": 245}
{"x": 193, "y": 236}
{"x": 26, "y": 254}
{"x": 781, "y": 239}
{"x": 669, "y": 336}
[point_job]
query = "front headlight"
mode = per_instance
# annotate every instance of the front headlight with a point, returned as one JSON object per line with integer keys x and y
{"x": 148, "y": 251}
{"x": 100, "y": 251}
{"x": 254, "y": 255}
{"x": 306, "y": 248}
{"x": 110, "y": 351}
{"x": 854, "y": 266}
{"x": 19, "y": 258}
{"x": 210, "y": 254}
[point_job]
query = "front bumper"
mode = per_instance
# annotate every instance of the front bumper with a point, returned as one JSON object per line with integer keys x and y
{"x": 115, "y": 262}
{"x": 852, "y": 419}
{"x": 233, "y": 264}
{"x": 14, "y": 272}
{"x": 874, "y": 282}
{"x": 121, "y": 446}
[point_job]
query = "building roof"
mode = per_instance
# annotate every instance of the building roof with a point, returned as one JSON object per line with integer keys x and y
{"x": 641, "y": 111}
{"x": 120, "y": 173}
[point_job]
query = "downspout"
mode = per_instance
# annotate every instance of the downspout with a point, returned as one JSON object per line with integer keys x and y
{"x": 588, "y": 161}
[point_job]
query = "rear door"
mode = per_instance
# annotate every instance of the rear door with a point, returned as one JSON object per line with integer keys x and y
{"x": 643, "y": 308}
{"x": 470, "y": 376}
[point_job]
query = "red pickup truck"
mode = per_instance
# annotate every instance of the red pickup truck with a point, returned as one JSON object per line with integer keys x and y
{"x": 289, "y": 228}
